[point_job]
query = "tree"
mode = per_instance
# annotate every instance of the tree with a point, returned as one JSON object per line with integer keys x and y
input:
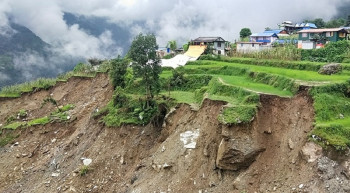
{"x": 186, "y": 46}
{"x": 146, "y": 63}
{"x": 334, "y": 23}
{"x": 268, "y": 29}
{"x": 348, "y": 21}
{"x": 118, "y": 71}
{"x": 172, "y": 45}
{"x": 245, "y": 32}
{"x": 319, "y": 23}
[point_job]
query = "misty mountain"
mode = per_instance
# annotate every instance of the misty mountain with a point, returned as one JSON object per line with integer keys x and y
{"x": 24, "y": 56}
{"x": 96, "y": 26}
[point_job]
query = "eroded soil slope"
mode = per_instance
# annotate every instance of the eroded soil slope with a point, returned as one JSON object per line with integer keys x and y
{"x": 192, "y": 152}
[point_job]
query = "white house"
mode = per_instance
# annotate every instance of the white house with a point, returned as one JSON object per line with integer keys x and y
{"x": 247, "y": 47}
{"x": 217, "y": 44}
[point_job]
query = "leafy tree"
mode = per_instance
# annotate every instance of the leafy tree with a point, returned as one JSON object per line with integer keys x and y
{"x": 172, "y": 45}
{"x": 319, "y": 22}
{"x": 245, "y": 32}
{"x": 334, "y": 23}
{"x": 268, "y": 29}
{"x": 146, "y": 63}
{"x": 186, "y": 46}
{"x": 348, "y": 21}
{"x": 118, "y": 72}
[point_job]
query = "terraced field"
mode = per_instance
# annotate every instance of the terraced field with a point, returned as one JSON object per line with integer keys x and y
{"x": 329, "y": 92}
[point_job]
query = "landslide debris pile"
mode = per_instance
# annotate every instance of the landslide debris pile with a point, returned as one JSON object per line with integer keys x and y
{"x": 191, "y": 152}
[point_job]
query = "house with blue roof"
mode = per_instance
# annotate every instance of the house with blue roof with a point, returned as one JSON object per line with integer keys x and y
{"x": 266, "y": 38}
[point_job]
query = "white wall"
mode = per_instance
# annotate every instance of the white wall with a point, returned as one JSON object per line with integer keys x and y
{"x": 246, "y": 48}
{"x": 222, "y": 48}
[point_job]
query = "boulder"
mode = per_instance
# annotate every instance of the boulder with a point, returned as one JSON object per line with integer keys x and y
{"x": 236, "y": 154}
{"x": 329, "y": 69}
{"x": 311, "y": 152}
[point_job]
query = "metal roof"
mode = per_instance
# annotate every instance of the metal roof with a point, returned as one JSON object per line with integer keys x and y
{"x": 276, "y": 31}
{"x": 310, "y": 25}
{"x": 209, "y": 39}
{"x": 321, "y": 30}
{"x": 264, "y": 35}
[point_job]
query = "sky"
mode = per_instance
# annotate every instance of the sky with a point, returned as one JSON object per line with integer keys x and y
{"x": 180, "y": 20}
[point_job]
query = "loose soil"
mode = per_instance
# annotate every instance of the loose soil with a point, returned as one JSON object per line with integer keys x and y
{"x": 151, "y": 159}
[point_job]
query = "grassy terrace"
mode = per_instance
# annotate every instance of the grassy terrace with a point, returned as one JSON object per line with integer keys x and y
{"x": 302, "y": 75}
{"x": 331, "y": 93}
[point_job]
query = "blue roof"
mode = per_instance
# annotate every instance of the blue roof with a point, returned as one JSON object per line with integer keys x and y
{"x": 276, "y": 31}
{"x": 306, "y": 25}
{"x": 264, "y": 34}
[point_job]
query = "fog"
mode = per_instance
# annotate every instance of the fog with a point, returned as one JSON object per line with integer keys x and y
{"x": 169, "y": 20}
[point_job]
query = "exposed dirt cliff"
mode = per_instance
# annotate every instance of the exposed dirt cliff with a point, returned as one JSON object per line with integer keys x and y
{"x": 192, "y": 152}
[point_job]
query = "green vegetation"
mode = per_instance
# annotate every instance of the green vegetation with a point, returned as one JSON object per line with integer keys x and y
{"x": 332, "y": 52}
{"x": 245, "y": 32}
{"x": 12, "y": 123}
{"x": 80, "y": 70}
{"x": 84, "y": 170}
{"x": 332, "y": 114}
{"x": 6, "y": 139}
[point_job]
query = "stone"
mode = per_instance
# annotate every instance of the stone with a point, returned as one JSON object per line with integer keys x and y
{"x": 311, "y": 152}
{"x": 189, "y": 139}
{"x": 87, "y": 161}
{"x": 301, "y": 186}
{"x": 331, "y": 68}
{"x": 55, "y": 174}
{"x": 290, "y": 144}
{"x": 236, "y": 154}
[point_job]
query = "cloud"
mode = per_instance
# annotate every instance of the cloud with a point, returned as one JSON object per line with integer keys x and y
{"x": 173, "y": 19}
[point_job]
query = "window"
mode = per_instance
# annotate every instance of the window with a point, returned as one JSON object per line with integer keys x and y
{"x": 329, "y": 34}
{"x": 341, "y": 34}
{"x": 241, "y": 45}
{"x": 304, "y": 35}
{"x": 252, "y": 45}
{"x": 219, "y": 44}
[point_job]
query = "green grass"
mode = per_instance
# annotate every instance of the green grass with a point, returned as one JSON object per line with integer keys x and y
{"x": 238, "y": 114}
{"x": 39, "y": 121}
{"x": 302, "y": 75}
{"x": 247, "y": 83}
{"x": 14, "y": 125}
{"x": 181, "y": 96}
{"x": 6, "y": 139}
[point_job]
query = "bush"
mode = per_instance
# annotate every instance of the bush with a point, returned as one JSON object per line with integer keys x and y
{"x": 332, "y": 52}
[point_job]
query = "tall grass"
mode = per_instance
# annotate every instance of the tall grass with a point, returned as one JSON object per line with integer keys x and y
{"x": 287, "y": 52}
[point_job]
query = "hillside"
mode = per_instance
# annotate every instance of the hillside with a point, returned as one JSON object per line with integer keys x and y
{"x": 236, "y": 127}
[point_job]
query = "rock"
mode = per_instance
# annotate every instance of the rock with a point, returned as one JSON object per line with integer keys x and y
{"x": 341, "y": 116}
{"x": 122, "y": 160}
{"x": 290, "y": 144}
{"x": 16, "y": 144}
{"x": 329, "y": 69}
{"x": 311, "y": 152}
{"x": 236, "y": 154}
{"x": 53, "y": 140}
{"x": 189, "y": 138}
{"x": 301, "y": 186}
{"x": 166, "y": 166}
{"x": 268, "y": 131}
{"x": 87, "y": 161}
{"x": 55, "y": 174}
